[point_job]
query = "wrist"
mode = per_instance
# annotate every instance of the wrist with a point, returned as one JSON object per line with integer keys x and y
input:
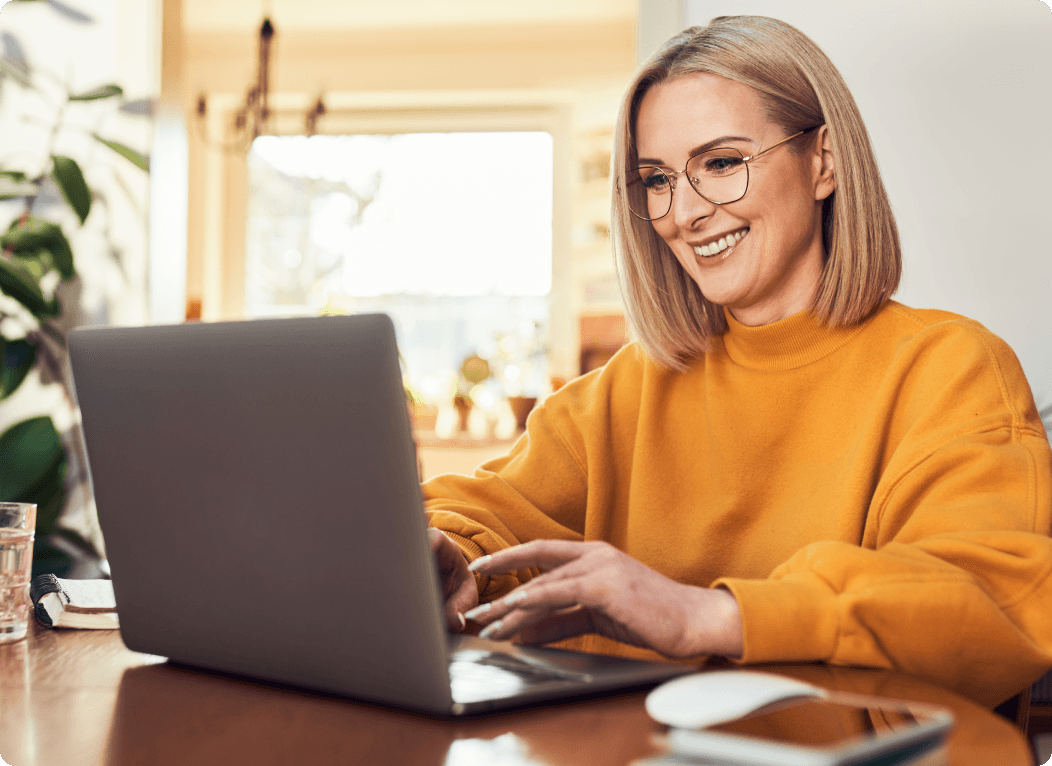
{"x": 717, "y": 623}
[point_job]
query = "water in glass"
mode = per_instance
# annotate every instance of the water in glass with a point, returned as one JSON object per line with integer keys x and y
{"x": 16, "y": 562}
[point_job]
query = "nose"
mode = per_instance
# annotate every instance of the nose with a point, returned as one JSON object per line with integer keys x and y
{"x": 689, "y": 207}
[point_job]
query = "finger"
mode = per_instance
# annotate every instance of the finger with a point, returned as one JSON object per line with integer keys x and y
{"x": 435, "y": 538}
{"x": 455, "y": 620}
{"x": 461, "y": 596}
{"x": 566, "y": 586}
{"x": 522, "y": 607}
{"x": 465, "y": 597}
{"x": 522, "y": 621}
{"x": 543, "y": 554}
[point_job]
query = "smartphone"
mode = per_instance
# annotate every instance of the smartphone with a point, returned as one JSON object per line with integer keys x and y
{"x": 839, "y": 729}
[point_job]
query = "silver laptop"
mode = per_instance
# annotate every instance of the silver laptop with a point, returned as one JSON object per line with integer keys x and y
{"x": 257, "y": 489}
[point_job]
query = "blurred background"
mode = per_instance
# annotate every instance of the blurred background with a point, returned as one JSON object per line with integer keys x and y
{"x": 447, "y": 162}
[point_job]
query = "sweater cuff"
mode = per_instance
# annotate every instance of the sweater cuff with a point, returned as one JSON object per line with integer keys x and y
{"x": 784, "y": 621}
{"x": 472, "y": 551}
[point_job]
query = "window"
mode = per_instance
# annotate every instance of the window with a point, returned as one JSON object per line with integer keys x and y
{"x": 449, "y": 233}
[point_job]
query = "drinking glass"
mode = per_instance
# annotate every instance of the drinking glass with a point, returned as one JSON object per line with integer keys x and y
{"x": 17, "y": 529}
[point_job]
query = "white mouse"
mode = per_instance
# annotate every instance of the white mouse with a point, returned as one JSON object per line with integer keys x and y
{"x": 703, "y": 699}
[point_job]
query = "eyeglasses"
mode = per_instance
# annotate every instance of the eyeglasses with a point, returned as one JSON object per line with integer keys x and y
{"x": 719, "y": 175}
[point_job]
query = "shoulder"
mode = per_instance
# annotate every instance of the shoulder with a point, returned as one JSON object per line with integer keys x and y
{"x": 936, "y": 333}
{"x": 942, "y": 350}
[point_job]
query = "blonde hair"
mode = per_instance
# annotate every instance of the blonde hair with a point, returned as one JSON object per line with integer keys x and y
{"x": 800, "y": 89}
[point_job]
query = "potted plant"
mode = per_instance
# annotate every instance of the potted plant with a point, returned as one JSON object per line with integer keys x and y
{"x": 36, "y": 268}
{"x": 474, "y": 370}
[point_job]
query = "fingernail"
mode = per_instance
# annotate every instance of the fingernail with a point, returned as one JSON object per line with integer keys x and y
{"x": 463, "y": 621}
{"x": 478, "y": 610}
{"x": 489, "y": 630}
{"x": 474, "y": 565}
{"x": 515, "y": 597}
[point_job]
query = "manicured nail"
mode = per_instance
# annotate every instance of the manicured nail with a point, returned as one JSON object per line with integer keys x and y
{"x": 474, "y": 565}
{"x": 515, "y": 597}
{"x": 478, "y": 610}
{"x": 463, "y": 621}
{"x": 489, "y": 630}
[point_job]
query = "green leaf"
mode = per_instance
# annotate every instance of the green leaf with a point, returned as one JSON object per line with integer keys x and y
{"x": 12, "y": 187}
{"x": 34, "y": 468}
{"x": 129, "y": 154}
{"x": 141, "y": 107}
{"x": 37, "y": 261}
{"x": 14, "y": 53}
{"x": 14, "y": 175}
{"x": 103, "y": 91}
{"x": 69, "y": 12}
{"x": 77, "y": 540}
{"x": 50, "y": 497}
{"x": 70, "y": 180}
{"x": 15, "y": 72}
{"x": 18, "y": 282}
{"x": 47, "y": 559}
{"x": 29, "y": 238}
{"x": 17, "y": 357}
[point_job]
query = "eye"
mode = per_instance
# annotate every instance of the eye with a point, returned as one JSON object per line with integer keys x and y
{"x": 718, "y": 162}
{"x": 654, "y": 180}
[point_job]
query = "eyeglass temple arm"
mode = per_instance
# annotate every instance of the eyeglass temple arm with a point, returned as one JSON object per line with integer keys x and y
{"x": 772, "y": 146}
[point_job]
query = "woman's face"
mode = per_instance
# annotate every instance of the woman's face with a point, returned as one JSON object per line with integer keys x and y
{"x": 773, "y": 271}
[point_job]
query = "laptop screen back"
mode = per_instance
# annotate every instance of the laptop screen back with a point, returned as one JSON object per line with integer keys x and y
{"x": 256, "y": 487}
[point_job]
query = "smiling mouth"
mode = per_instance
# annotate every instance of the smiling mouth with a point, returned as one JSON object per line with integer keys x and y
{"x": 715, "y": 248}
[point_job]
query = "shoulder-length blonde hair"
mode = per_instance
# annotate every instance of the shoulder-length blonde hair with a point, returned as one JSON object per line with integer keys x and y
{"x": 800, "y": 88}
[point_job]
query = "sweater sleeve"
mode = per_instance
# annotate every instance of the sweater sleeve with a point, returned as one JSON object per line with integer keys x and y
{"x": 537, "y": 491}
{"x": 953, "y": 571}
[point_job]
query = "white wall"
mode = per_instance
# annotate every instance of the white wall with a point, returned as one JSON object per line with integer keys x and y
{"x": 956, "y": 96}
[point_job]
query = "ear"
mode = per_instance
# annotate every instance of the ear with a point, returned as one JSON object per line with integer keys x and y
{"x": 824, "y": 165}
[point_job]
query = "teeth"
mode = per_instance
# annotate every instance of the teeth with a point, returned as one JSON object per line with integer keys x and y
{"x": 724, "y": 242}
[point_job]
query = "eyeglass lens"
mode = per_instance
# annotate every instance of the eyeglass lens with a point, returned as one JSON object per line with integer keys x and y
{"x": 719, "y": 175}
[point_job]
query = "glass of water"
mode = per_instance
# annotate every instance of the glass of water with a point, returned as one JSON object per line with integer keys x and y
{"x": 17, "y": 528}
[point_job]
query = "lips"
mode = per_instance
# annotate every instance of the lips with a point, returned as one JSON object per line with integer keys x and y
{"x": 716, "y": 247}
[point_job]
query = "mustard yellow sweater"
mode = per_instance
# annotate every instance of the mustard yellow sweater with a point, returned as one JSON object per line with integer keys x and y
{"x": 877, "y": 496}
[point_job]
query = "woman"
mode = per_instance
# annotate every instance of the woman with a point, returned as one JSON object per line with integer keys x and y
{"x": 787, "y": 466}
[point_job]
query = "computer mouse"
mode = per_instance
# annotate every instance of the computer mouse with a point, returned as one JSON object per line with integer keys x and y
{"x": 703, "y": 699}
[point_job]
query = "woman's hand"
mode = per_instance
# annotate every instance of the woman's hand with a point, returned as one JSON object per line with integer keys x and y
{"x": 595, "y": 588}
{"x": 458, "y": 584}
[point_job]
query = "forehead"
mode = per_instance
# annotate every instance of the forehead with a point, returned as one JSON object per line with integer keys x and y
{"x": 682, "y": 113}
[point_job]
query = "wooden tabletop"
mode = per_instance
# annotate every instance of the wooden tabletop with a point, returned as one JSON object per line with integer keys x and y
{"x": 81, "y": 697}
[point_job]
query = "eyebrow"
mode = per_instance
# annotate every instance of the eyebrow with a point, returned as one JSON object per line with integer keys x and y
{"x": 699, "y": 149}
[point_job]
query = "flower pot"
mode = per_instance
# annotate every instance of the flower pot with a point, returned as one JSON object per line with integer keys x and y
{"x": 521, "y": 406}
{"x": 463, "y": 405}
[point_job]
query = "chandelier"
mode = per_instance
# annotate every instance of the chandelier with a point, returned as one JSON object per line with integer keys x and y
{"x": 253, "y": 117}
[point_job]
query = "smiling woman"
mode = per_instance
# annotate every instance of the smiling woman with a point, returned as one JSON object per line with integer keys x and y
{"x": 749, "y": 87}
{"x": 788, "y": 466}
{"x": 774, "y": 265}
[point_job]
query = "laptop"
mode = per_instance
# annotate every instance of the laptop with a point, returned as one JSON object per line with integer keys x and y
{"x": 256, "y": 484}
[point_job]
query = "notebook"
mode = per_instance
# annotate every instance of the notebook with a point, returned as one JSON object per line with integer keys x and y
{"x": 256, "y": 484}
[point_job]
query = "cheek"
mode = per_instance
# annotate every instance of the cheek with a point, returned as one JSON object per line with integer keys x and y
{"x": 671, "y": 236}
{"x": 665, "y": 229}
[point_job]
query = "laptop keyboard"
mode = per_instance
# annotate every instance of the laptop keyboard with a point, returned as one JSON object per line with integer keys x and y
{"x": 477, "y": 674}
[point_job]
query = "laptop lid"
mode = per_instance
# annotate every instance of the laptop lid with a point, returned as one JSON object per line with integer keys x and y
{"x": 256, "y": 486}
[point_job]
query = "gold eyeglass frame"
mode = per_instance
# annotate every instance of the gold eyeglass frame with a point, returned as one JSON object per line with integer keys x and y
{"x": 672, "y": 175}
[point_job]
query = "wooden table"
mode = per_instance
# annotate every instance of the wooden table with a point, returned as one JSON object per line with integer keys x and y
{"x": 81, "y": 697}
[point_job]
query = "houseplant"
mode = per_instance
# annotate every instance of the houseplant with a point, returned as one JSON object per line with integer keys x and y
{"x": 48, "y": 194}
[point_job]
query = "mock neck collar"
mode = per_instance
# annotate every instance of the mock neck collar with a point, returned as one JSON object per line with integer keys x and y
{"x": 796, "y": 341}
